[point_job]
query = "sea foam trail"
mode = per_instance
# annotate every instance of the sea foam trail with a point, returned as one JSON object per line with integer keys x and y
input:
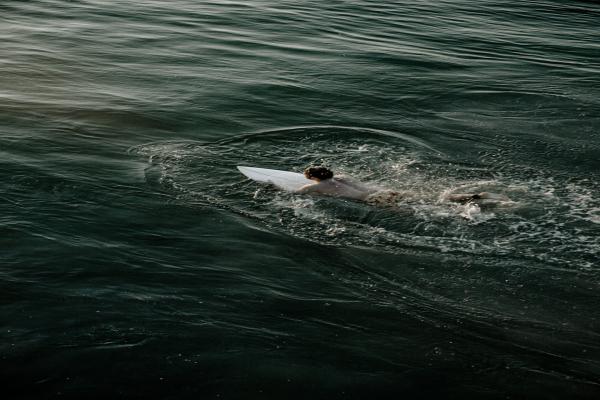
{"x": 535, "y": 221}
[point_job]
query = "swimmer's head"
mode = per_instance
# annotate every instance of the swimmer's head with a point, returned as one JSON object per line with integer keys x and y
{"x": 318, "y": 173}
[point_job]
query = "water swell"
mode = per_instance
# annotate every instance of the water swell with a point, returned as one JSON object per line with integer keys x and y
{"x": 546, "y": 222}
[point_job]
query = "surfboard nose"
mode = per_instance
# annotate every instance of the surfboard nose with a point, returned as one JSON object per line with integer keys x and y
{"x": 285, "y": 180}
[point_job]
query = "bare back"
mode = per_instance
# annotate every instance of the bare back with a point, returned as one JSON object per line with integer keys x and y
{"x": 339, "y": 187}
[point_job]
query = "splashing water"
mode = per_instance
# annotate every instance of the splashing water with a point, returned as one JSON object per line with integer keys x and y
{"x": 544, "y": 220}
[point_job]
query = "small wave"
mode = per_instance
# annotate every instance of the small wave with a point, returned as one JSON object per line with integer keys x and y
{"x": 545, "y": 219}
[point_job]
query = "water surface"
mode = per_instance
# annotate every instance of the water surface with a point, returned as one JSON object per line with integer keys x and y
{"x": 137, "y": 262}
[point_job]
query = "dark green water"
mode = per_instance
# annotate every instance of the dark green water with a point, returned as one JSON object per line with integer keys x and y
{"x": 136, "y": 262}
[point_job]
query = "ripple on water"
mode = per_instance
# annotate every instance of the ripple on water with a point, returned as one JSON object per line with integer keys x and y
{"x": 547, "y": 220}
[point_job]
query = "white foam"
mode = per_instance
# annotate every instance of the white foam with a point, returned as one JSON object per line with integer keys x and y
{"x": 549, "y": 219}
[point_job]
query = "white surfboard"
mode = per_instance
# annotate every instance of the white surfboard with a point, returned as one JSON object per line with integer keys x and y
{"x": 286, "y": 180}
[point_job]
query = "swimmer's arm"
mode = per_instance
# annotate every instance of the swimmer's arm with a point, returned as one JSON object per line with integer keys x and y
{"x": 462, "y": 197}
{"x": 465, "y": 198}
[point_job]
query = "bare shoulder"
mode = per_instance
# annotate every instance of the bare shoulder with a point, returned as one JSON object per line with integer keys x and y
{"x": 311, "y": 187}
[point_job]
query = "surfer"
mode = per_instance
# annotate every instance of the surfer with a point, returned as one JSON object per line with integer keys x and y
{"x": 340, "y": 186}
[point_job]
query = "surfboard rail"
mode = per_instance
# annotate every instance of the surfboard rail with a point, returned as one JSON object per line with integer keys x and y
{"x": 286, "y": 180}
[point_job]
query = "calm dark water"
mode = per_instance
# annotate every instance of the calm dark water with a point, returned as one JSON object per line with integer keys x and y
{"x": 138, "y": 263}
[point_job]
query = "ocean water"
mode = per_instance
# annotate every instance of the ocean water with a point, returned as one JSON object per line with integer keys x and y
{"x": 136, "y": 262}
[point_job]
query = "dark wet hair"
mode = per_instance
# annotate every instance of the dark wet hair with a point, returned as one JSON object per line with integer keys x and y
{"x": 321, "y": 173}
